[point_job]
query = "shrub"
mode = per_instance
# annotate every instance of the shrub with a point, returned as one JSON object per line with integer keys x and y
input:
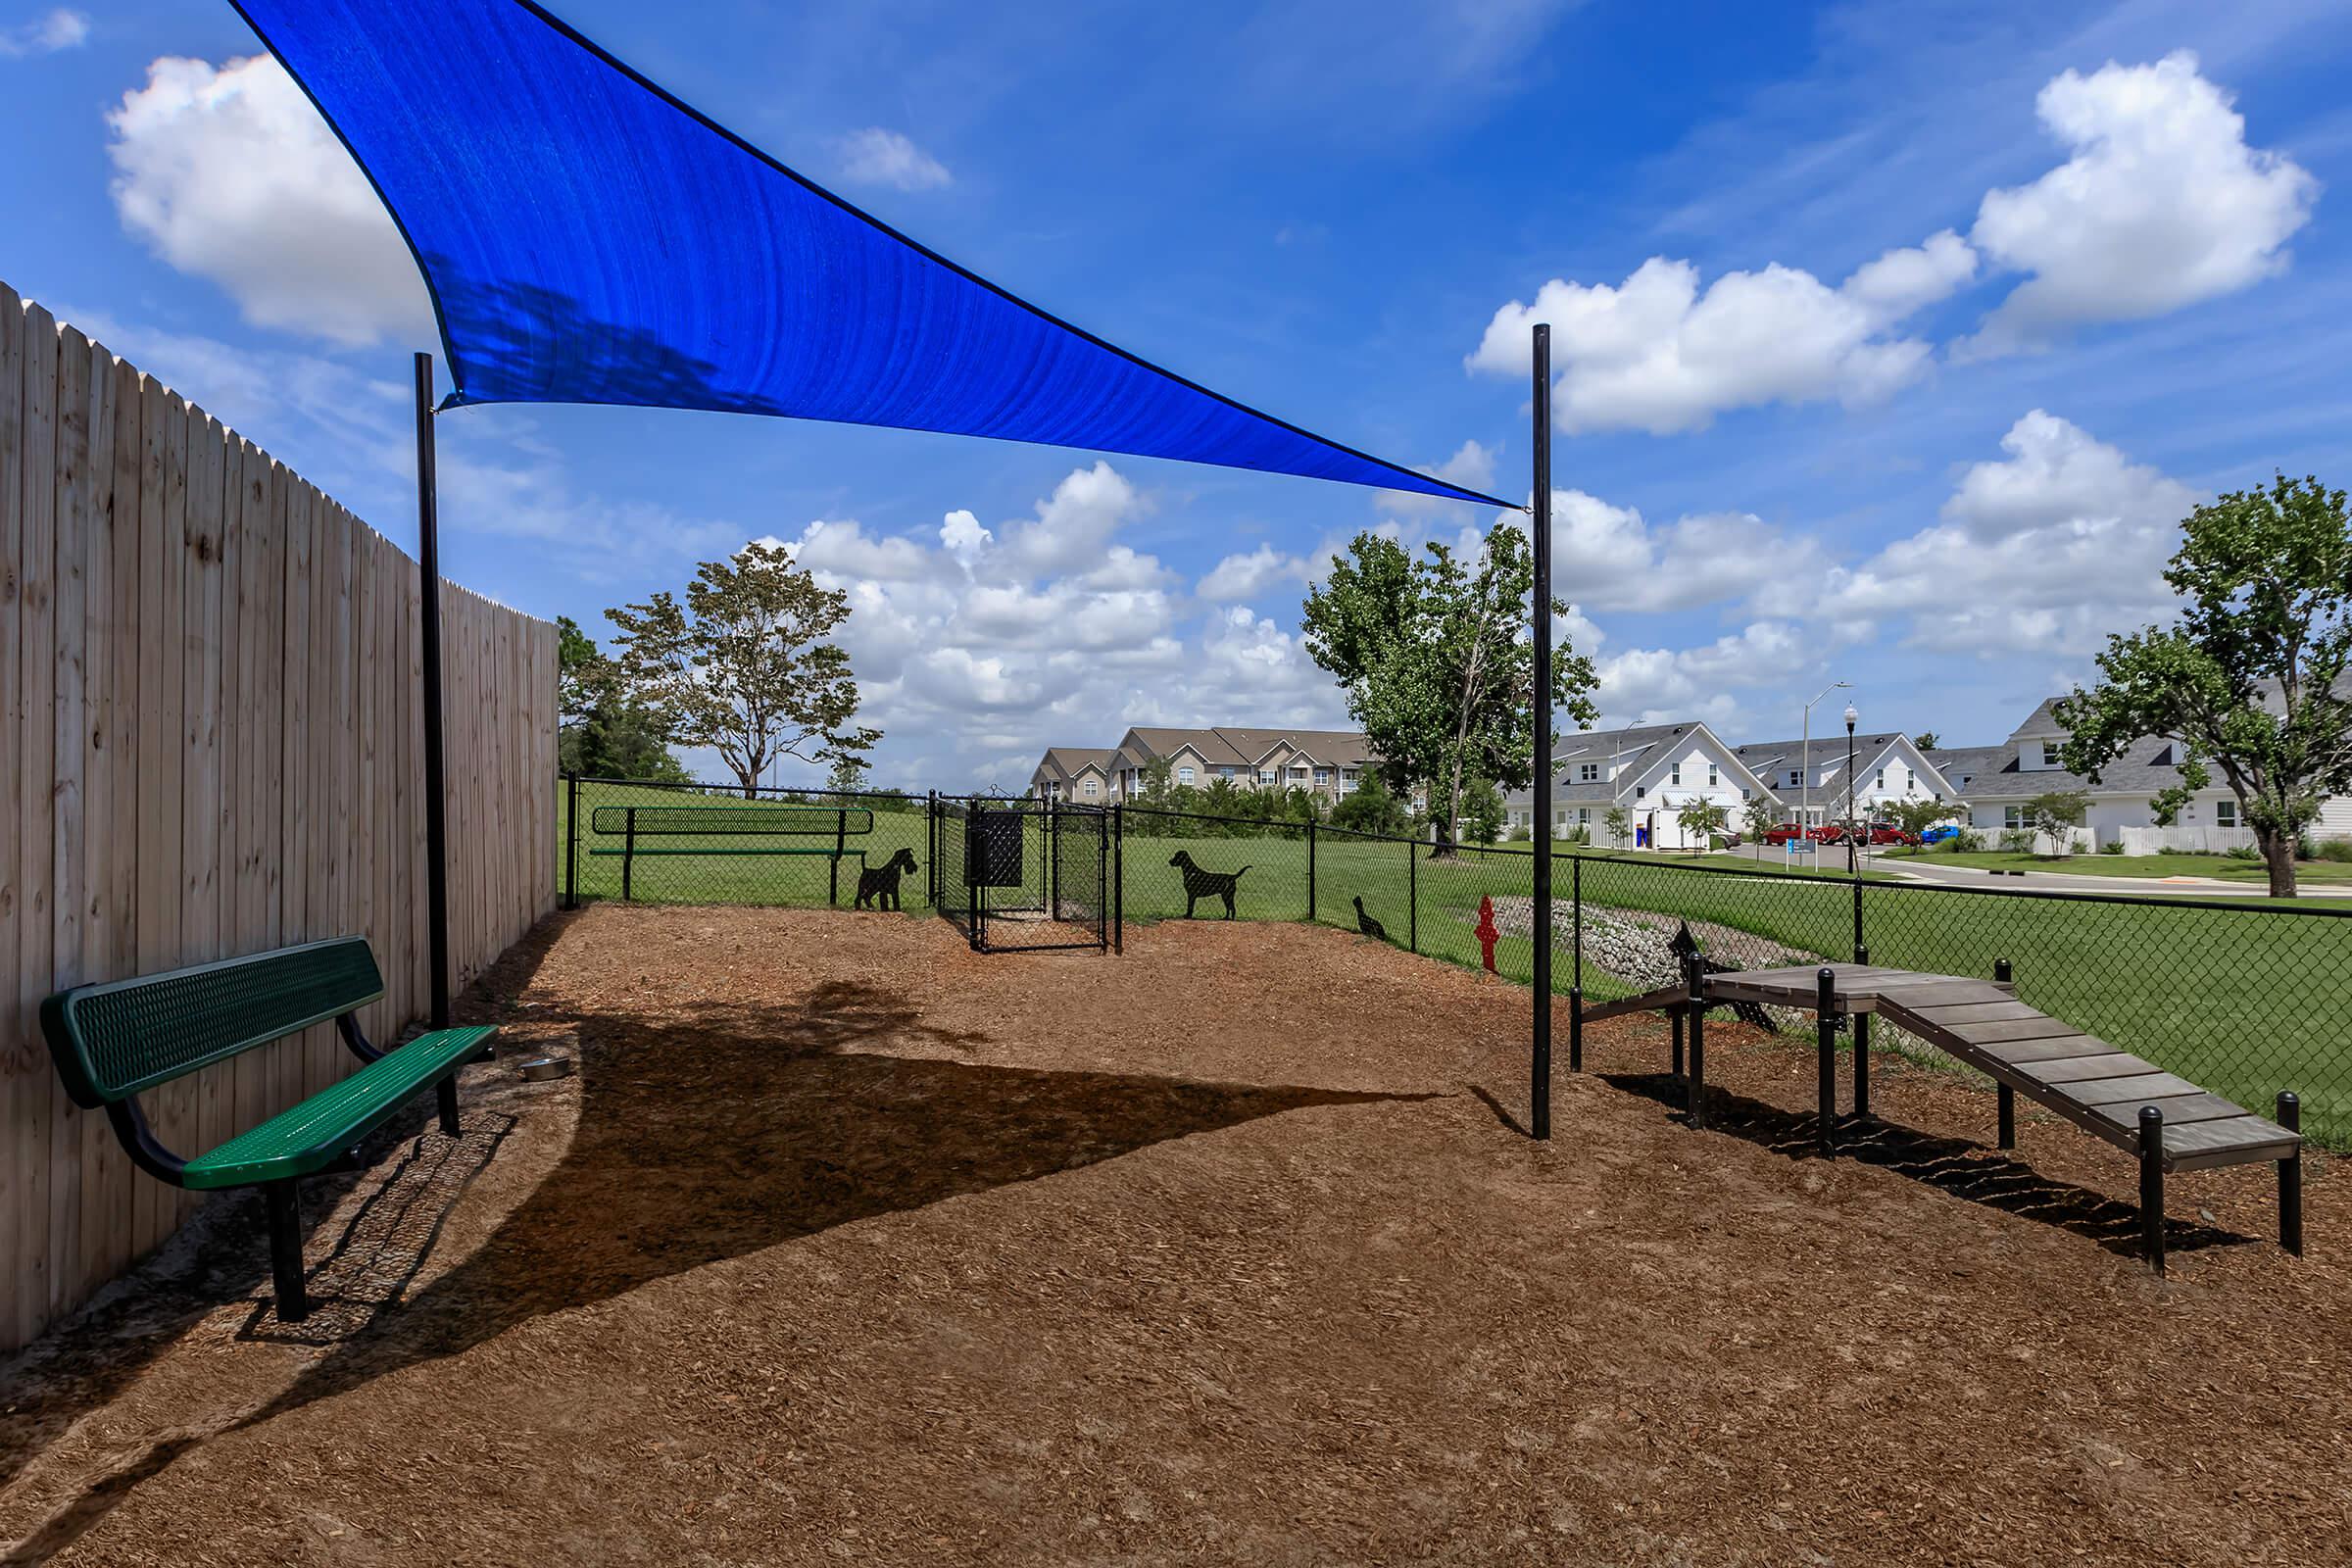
{"x": 2336, "y": 849}
{"x": 2112, "y": 847}
{"x": 1522, "y": 833}
{"x": 2017, "y": 841}
{"x": 1579, "y": 835}
{"x": 1967, "y": 841}
{"x": 2243, "y": 851}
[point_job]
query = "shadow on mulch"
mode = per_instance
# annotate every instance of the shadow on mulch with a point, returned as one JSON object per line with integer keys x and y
{"x": 1994, "y": 1178}
{"x": 715, "y": 1130}
{"x": 222, "y": 1255}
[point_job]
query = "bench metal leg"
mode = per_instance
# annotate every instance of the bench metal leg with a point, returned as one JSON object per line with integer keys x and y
{"x": 2290, "y": 1177}
{"x": 1576, "y": 1027}
{"x": 446, "y": 1092}
{"x": 2006, "y": 1097}
{"x": 1824, "y": 1001}
{"x": 283, "y": 1200}
{"x": 2151, "y": 1186}
{"x": 1676, "y": 1013}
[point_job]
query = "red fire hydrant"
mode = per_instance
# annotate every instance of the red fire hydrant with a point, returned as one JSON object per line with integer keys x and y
{"x": 1487, "y": 932}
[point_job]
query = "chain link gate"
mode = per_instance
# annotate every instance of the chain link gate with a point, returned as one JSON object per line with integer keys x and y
{"x": 1023, "y": 875}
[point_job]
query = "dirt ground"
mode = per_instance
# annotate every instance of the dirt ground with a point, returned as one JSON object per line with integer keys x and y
{"x": 846, "y": 1244}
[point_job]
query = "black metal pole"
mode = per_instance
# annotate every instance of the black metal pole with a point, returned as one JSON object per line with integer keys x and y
{"x": 2151, "y": 1186}
{"x": 1861, "y": 1049}
{"x": 2290, "y": 1177}
{"x": 1853, "y": 865}
{"x": 1695, "y": 1084}
{"x": 1824, "y": 1013}
{"x": 436, "y": 806}
{"x": 571, "y": 841}
{"x": 931, "y": 850}
{"x": 1413, "y": 896}
{"x": 1576, "y": 962}
{"x": 1310, "y": 873}
{"x": 1118, "y": 878}
{"x": 1540, "y": 1065}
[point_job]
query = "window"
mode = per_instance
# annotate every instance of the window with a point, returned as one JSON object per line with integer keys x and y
{"x": 2225, "y": 813}
{"x": 1795, "y": 778}
{"x": 1583, "y": 817}
{"x": 1640, "y": 791}
{"x": 1225, "y": 772}
{"x": 1265, "y": 775}
{"x": 2012, "y": 816}
{"x": 1674, "y": 774}
{"x": 1322, "y": 777}
{"x": 1094, "y": 787}
{"x": 1588, "y": 773}
{"x": 1747, "y": 795}
{"x": 1183, "y": 775}
{"x": 1881, "y": 782}
{"x": 1714, "y": 775}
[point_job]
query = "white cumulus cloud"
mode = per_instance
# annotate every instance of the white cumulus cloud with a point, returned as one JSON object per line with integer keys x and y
{"x": 1659, "y": 353}
{"x": 2162, "y": 204}
{"x": 229, "y": 173}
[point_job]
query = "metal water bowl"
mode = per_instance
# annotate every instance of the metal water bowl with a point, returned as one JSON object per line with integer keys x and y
{"x": 545, "y": 1070}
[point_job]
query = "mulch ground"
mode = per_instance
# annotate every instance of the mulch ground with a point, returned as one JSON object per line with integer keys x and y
{"x": 848, "y": 1245}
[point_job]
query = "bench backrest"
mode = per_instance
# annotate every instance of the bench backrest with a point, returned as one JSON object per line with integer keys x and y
{"x": 110, "y": 1041}
{"x": 803, "y": 821}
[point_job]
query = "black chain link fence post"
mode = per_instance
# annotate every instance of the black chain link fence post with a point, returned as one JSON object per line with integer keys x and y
{"x": 571, "y": 841}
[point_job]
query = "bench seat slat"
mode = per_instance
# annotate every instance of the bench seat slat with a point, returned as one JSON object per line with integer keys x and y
{"x": 312, "y": 1134}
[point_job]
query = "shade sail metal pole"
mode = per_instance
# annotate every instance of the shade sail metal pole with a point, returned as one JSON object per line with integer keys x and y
{"x": 436, "y": 825}
{"x": 1540, "y": 1087}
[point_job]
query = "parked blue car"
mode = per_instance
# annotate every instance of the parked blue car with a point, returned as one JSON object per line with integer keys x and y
{"x": 1936, "y": 835}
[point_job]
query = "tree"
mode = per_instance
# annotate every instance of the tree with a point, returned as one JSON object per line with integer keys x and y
{"x": 1620, "y": 824}
{"x": 1159, "y": 776}
{"x": 1916, "y": 816}
{"x": 1759, "y": 816}
{"x": 848, "y": 776}
{"x": 743, "y": 666}
{"x": 1438, "y": 668}
{"x": 1483, "y": 811}
{"x": 2250, "y": 678}
{"x": 1369, "y": 808}
{"x": 2055, "y": 812}
{"x": 1925, "y": 740}
{"x": 1702, "y": 819}
{"x": 600, "y": 731}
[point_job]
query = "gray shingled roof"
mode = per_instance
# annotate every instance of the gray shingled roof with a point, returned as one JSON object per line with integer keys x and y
{"x": 2143, "y": 770}
{"x": 1770, "y": 760}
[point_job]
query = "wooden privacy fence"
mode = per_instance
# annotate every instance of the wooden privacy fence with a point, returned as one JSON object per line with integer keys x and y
{"x": 210, "y": 744}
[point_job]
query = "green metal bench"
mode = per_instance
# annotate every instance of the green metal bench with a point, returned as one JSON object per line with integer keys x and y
{"x": 113, "y": 1040}
{"x": 632, "y": 824}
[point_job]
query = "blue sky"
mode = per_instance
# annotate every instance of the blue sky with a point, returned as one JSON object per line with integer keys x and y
{"x": 1891, "y": 341}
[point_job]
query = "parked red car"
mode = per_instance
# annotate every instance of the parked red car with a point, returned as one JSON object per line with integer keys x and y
{"x": 1789, "y": 830}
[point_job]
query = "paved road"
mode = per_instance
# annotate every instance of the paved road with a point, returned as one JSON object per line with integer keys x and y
{"x": 2191, "y": 887}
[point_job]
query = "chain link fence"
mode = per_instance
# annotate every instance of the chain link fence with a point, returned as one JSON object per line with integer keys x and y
{"x": 2245, "y": 997}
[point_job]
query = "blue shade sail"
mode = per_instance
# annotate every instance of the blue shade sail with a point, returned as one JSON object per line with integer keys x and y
{"x": 588, "y": 238}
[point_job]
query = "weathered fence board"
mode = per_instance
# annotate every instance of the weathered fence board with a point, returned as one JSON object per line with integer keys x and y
{"x": 210, "y": 744}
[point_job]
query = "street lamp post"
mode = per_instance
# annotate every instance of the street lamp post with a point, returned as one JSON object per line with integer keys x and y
{"x": 1804, "y": 796}
{"x": 1850, "y": 782}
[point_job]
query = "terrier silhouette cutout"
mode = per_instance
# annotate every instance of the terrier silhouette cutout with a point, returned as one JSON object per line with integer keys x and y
{"x": 1200, "y": 884}
{"x": 1367, "y": 925}
{"x": 878, "y": 885}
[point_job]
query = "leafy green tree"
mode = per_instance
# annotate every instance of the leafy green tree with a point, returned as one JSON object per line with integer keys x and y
{"x": 1369, "y": 808}
{"x": 600, "y": 732}
{"x": 848, "y": 776}
{"x": 1160, "y": 779}
{"x": 2251, "y": 678}
{"x": 1482, "y": 810}
{"x": 1925, "y": 740}
{"x": 1759, "y": 816}
{"x": 1620, "y": 824}
{"x": 744, "y": 665}
{"x": 1702, "y": 819}
{"x": 1916, "y": 816}
{"x": 2055, "y": 813}
{"x": 1439, "y": 670}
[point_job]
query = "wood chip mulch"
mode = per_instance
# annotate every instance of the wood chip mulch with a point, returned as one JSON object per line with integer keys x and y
{"x": 848, "y": 1245}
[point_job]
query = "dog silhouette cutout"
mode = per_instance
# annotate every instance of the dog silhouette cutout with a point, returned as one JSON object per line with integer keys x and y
{"x": 1200, "y": 884}
{"x": 1367, "y": 925}
{"x": 878, "y": 885}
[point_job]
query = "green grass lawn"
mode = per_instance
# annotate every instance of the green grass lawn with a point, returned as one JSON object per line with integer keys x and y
{"x": 2219, "y": 868}
{"x": 2245, "y": 1000}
